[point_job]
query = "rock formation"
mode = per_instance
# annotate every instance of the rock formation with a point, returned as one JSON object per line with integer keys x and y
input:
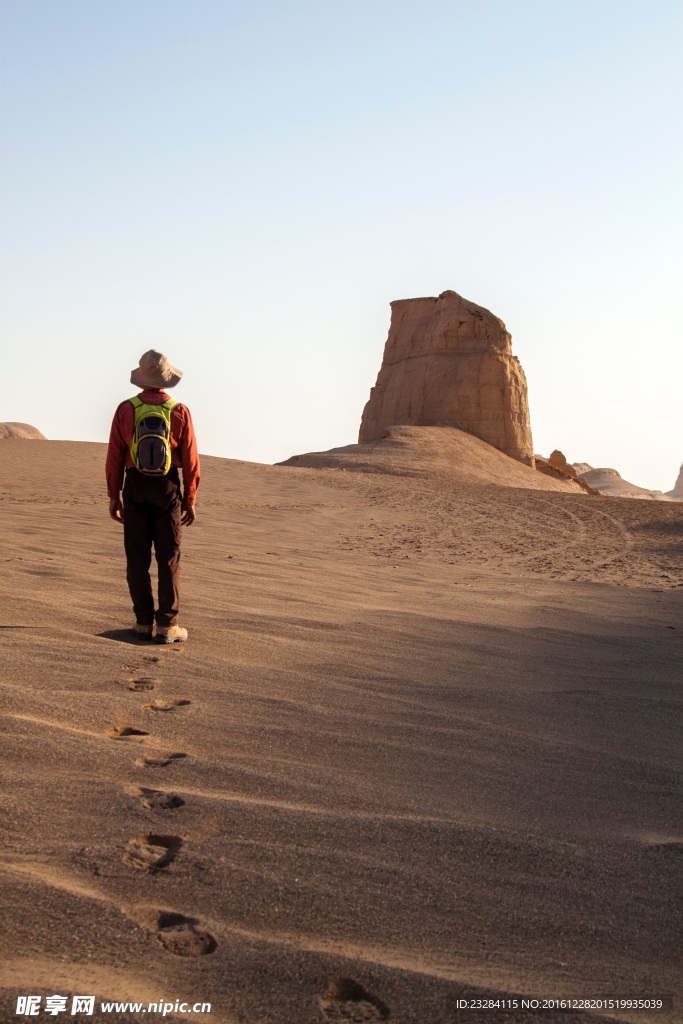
{"x": 678, "y": 487}
{"x": 448, "y": 362}
{"x": 23, "y": 431}
{"x": 558, "y": 467}
{"x": 558, "y": 461}
{"x": 610, "y": 482}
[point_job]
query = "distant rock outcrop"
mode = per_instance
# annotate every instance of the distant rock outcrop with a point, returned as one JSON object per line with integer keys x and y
{"x": 23, "y": 431}
{"x": 449, "y": 362}
{"x": 678, "y": 487}
{"x": 558, "y": 461}
{"x": 558, "y": 467}
{"x": 609, "y": 481}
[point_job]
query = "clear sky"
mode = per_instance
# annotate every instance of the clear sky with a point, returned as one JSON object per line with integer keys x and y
{"x": 248, "y": 186}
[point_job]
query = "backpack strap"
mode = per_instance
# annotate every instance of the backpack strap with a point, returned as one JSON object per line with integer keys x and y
{"x": 169, "y": 404}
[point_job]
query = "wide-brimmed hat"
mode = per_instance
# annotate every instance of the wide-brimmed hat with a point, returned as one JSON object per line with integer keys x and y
{"x": 155, "y": 371}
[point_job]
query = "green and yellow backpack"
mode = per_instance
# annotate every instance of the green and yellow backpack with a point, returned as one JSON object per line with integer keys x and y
{"x": 150, "y": 448}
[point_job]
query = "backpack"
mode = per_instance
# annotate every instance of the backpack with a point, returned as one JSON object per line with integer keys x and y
{"x": 150, "y": 448}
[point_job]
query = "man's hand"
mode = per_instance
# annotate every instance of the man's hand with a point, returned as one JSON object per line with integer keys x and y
{"x": 116, "y": 510}
{"x": 189, "y": 515}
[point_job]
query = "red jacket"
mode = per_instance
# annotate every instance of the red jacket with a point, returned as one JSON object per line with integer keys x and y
{"x": 183, "y": 445}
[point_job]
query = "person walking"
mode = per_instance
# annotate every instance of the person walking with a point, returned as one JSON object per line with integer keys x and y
{"x": 152, "y": 437}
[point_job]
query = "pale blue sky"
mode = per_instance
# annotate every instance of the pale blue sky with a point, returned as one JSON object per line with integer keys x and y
{"x": 247, "y": 187}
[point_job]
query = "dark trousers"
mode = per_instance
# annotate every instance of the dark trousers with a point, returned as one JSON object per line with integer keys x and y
{"x": 151, "y": 516}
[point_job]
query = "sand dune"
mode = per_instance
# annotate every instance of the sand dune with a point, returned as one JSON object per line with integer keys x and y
{"x": 439, "y": 453}
{"x": 20, "y": 432}
{"x": 425, "y": 737}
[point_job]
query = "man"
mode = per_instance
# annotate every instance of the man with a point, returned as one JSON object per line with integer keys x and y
{"x": 151, "y": 438}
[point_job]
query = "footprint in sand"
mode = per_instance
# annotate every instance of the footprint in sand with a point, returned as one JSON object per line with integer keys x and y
{"x": 126, "y": 733}
{"x": 157, "y": 799}
{"x": 182, "y": 936}
{"x": 159, "y": 759}
{"x": 166, "y": 704}
{"x": 142, "y": 683}
{"x": 347, "y": 1000}
{"x": 133, "y": 667}
{"x": 152, "y": 852}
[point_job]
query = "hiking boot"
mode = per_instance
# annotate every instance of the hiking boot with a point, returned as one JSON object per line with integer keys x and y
{"x": 171, "y": 635}
{"x": 143, "y": 631}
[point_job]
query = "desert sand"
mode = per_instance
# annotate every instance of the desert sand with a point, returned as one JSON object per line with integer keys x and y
{"x": 425, "y": 736}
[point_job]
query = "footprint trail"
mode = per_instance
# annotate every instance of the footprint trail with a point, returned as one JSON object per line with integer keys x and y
{"x": 182, "y": 935}
{"x": 157, "y": 798}
{"x": 166, "y": 704}
{"x": 159, "y": 759}
{"x": 126, "y": 733}
{"x": 152, "y": 852}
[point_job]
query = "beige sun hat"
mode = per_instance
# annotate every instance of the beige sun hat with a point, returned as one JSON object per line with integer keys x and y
{"x": 155, "y": 371}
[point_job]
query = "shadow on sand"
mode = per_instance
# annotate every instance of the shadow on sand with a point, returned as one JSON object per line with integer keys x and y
{"x": 125, "y": 636}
